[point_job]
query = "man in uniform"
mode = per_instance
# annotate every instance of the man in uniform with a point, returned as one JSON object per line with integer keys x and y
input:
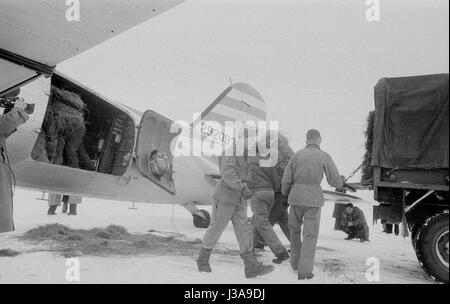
{"x": 8, "y": 124}
{"x": 354, "y": 223}
{"x": 278, "y": 215}
{"x": 301, "y": 181}
{"x": 230, "y": 204}
{"x": 264, "y": 181}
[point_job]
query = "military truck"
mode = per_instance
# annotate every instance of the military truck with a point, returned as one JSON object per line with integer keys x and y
{"x": 407, "y": 163}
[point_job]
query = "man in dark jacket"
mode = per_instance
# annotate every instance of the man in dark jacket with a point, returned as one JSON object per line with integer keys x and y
{"x": 263, "y": 182}
{"x": 355, "y": 224}
{"x": 65, "y": 127}
{"x": 8, "y": 123}
{"x": 278, "y": 215}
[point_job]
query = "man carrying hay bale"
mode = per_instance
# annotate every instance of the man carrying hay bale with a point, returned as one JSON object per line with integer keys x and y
{"x": 278, "y": 212}
{"x": 264, "y": 181}
{"x": 65, "y": 128}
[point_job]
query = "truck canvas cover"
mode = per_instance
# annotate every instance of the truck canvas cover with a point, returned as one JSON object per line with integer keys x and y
{"x": 411, "y": 123}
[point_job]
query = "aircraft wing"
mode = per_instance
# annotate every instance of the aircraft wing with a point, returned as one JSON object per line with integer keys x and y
{"x": 36, "y": 36}
{"x": 339, "y": 197}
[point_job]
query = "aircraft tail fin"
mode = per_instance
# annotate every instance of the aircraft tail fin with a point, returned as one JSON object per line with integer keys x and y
{"x": 238, "y": 103}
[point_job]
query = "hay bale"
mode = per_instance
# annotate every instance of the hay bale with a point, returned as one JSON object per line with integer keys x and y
{"x": 285, "y": 151}
{"x": 39, "y": 152}
{"x": 66, "y": 117}
{"x": 367, "y": 169}
{"x": 67, "y": 109}
{"x": 69, "y": 98}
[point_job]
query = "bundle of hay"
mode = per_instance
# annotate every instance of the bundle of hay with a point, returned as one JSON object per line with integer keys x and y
{"x": 285, "y": 151}
{"x": 66, "y": 117}
{"x": 67, "y": 109}
{"x": 367, "y": 169}
{"x": 65, "y": 113}
{"x": 39, "y": 152}
{"x": 68, "y": 98}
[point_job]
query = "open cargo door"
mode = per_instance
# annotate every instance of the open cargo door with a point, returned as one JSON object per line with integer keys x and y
{"x": 154, "y": 157}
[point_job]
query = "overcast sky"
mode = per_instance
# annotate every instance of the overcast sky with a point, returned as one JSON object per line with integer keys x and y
{"x": 315, "y": 62}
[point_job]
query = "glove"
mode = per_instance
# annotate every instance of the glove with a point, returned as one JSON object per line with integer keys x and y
{"x": 341, "y": 190}
{"x": 247, "y": 193}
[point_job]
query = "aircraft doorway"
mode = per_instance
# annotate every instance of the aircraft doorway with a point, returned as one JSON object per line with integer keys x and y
{"x": 109, "y": 136}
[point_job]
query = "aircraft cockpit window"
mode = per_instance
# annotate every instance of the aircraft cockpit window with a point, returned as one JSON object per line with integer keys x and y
{"x": 81, "y": 130}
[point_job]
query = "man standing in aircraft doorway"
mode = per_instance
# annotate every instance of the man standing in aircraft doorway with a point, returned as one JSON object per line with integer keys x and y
{"x": 8, "y": 124}
{"x": 301, "y": 181}
{"x": 230, "y": 204}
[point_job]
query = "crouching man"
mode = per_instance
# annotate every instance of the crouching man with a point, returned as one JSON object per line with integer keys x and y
{"x": 355, "y": 224}
{"x": 230, "y": 204}
{"x": 8, "y": 123}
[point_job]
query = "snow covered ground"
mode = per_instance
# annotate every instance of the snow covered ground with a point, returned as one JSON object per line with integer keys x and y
{"x": 337, "y": 261}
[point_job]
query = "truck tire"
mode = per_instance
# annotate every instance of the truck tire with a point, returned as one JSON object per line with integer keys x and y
{"x": 415, "y": 229}
{"x": 432, "y": 247}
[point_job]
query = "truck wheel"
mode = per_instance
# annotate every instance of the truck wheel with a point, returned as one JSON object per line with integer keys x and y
{"x": 415, "y": 229}
{"x": 432, "y": 247}
{"x": 202, "y": 221}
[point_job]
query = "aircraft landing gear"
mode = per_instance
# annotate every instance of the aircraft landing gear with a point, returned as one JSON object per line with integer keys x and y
{"x": 201, "y": 218}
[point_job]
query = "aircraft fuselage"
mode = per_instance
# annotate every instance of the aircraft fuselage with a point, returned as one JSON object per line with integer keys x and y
{"x": 190, "y": 182}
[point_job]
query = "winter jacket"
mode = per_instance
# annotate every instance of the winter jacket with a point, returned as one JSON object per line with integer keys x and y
{"x": 8, "y": 123}
{"x": 304, "y": 174}
{"x": 234, "y": 171}
{"x": 356, "y": 217}
{"x": 264, "y": 178}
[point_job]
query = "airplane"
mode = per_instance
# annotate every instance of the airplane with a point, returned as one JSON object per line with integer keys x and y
{"x": 133, "y": 150}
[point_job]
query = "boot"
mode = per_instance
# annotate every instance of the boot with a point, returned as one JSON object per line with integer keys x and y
{"x": 253, "y": 268}
{"x": 52, "y": 209}
{"x": 389, "y": 228}
{"x": 65, "y": 207}
{"x": 203, "y": 260}
{"x": 72, "y": 209}
{"x": 397, "y": 229}
{"x": 281, "y": 258}
{"x": 305, "y": 276}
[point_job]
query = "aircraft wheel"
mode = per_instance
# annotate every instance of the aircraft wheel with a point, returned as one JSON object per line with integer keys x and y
{"x": 432, "y": 247}
{"x": 202, "y": 221}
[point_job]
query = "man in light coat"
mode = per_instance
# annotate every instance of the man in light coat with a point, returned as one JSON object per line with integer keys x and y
{"x": 8, "y": 124}
{"x": 230, "y": 204}
{"x": 301, "y": 181}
